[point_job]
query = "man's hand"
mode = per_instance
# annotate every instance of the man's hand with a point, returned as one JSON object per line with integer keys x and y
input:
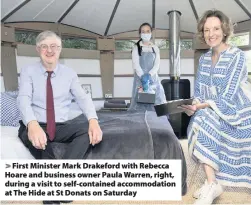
{"x": 188, "y": 109}
{"x": 95, "y": 133}
{"x": 36, "y": 135}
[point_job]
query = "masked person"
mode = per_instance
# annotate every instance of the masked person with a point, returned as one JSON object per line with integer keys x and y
{"x": 146, "y": 61}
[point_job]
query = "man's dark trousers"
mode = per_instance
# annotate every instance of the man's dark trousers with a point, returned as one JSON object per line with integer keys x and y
{"x": 74, "y": 132}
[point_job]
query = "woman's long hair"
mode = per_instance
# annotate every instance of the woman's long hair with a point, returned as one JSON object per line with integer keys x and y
{"x": 138, "y": 43}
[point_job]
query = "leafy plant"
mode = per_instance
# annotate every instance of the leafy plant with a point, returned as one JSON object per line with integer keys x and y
{"x": 29, "y": 37}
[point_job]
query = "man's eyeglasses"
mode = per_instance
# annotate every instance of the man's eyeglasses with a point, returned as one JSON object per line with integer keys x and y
{"x": 53, "y": 47}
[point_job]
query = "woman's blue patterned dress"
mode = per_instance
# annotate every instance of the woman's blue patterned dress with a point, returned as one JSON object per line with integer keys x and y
{"x": 220, "y": 135}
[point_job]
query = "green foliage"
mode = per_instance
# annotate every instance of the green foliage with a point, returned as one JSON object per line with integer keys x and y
{"x": 29, "y": 37}
{"x": 26, "y": 37}
{"x": 79, "y": 43}
{"x": 239, "y": 40}
{"x": 127, "y": 45}
{"x": 162, "y": 43}
{"x": 185, "y": 44}
{"x": 124, "y": 45}
{"x": 248, "y": 57}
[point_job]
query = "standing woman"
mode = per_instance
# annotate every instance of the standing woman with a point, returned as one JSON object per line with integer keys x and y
{"x": 219, "y": 133}
{"x": 146, "y": 61}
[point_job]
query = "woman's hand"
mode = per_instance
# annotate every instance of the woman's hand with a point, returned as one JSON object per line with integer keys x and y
{"x": 189, "y": 109}
{"x": 140, "y": 89}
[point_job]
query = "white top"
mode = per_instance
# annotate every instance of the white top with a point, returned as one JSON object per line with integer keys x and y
{"x": 135, "y": 59}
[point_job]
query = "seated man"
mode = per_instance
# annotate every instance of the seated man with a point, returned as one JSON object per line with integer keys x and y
{"x": 45, "y": 95}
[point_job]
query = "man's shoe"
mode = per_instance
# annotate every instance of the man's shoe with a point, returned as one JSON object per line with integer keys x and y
{"x": 208, "y": 193}
{"x": 51, "y": 202}
{"x": 56, "y": 202}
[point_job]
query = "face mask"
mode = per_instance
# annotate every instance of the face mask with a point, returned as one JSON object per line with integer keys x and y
{"x": 146, "y": 36}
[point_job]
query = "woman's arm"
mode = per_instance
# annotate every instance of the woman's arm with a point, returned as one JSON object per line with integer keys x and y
{"x": 135, "y": 62}
{"x": 198, "y": 97}
{"x": 191, "y": 109}
{"x": 201, "y": 106}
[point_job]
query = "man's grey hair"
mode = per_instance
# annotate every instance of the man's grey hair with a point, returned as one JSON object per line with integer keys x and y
{"x": 45, "y": 34}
